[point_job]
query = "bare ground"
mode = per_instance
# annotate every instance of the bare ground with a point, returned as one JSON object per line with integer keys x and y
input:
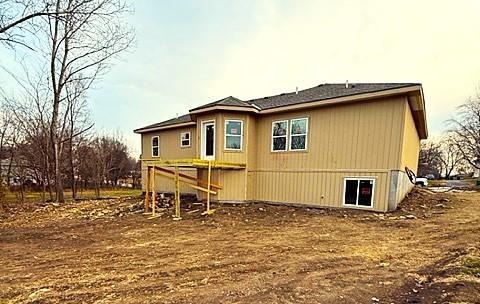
{"x": 107, "y": 252}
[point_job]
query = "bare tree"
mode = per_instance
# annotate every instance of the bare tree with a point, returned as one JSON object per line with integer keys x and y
{"x": 451, "y": 156}
{"x": 429, "y": 159}
{"x": 467, "y": 130}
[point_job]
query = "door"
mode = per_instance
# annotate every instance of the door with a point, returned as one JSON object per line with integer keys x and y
{"x": 208, "y": 140}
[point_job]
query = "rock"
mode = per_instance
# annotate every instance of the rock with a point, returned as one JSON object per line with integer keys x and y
{"x": 375, "y": 299}
{"x": 440, "y": 205}
{"x": 384, "y": 264}
{"x": 410, "y": 216}
{"x": 261, "y": 209}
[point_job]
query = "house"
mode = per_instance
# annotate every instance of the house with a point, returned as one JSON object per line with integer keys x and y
{"x": 333, "y": 145}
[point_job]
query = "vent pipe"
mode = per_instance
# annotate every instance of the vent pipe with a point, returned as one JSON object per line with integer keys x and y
{"x": 296, "y": 90}
{"x": 346, "y": 84}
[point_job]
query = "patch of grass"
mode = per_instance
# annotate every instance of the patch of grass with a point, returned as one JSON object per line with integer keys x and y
{"x": 437, "y": 183}
{"x": 471, "y": 266}
{"x": 33, "y": 196}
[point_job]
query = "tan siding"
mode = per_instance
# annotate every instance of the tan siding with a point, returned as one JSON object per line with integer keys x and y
{"x": 410, "y": 143}
{"x": 342, "y": 137}
{"x": 169, "y": 149}
{"x": 164, "y": 184}
{"x": 169, "y": 144}
{"x": 320, "y": 188}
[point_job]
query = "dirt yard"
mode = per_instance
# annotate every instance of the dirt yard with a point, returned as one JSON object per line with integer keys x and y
{"x": 109, "y": 252}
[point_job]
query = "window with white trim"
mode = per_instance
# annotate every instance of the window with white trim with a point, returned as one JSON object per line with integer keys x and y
{"x": 185, "y": 139}
{"x": 358, "y": 191}
{"x": 279, "y": 135}
{"x": 233, "y": 134}
{"x": 298, "y": 134}
{"x": 155, "y": 146}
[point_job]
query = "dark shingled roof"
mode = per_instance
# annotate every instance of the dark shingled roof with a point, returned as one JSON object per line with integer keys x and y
{"x": 322, "y": 92}
{"x": 318, "y": 93}
{"x": 227, "y": 101}
{"x": 173, "y": 121}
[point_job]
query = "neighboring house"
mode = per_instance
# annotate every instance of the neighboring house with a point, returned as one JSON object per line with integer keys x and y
{"x": 476, "y": 171}
{"x": 335, "y": 145}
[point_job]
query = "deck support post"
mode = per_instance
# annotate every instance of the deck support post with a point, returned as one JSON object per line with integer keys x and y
{"x": 209, "y": 180}
{"x": 148, "y": 188}
{"x": 177, "y": 195}
{"x": 154, "y": 196}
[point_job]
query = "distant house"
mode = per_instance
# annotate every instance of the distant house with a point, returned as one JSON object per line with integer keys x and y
{"x": 335, "y": 145}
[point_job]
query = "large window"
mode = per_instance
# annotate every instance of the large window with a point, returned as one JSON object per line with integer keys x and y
{"x": 298, "y": 134}
{"x": 279, "y": 135}
{"x": 155, "y": 146}
{"x": 359, "y": 192}
{"x": 185, "y": 139}
{"x": 233, "y": 134}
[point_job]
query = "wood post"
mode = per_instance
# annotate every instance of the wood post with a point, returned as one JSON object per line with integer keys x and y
{"x": 209, "y": 180}
{"x": 147, "y": 189}
{"x": 154, "y": 197}
{"x": 177, "y": 194}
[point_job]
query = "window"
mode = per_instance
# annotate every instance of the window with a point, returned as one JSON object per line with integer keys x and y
{"x": 185, "y": 139}
{"x": 279, "y": 135}
{"x": 359, "y": 192}
{"x": 155, "y": 146}
{"x": 233, "y": 134}
{"x": 298, "y": 134}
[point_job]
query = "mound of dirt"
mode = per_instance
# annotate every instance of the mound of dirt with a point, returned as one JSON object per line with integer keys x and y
{"x": 424, "y": 203}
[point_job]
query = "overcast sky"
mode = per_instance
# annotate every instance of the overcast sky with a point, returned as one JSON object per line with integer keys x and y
{"x": 192, "y": 52}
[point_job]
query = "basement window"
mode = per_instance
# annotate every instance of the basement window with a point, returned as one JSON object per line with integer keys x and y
{"x": 298, "y": 134}
{"x": 155, "y": 146}
{"x": 358, "y": 192}
{"x": 279, "y": 135}
{"x": 233, "y": 134}
{"x": 185, "y": 139}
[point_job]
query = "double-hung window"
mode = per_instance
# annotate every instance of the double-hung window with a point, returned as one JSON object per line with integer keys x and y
{"x": 155, "y": 146}
{"x": 298, "y": 134}
{"x": 279, "y": 135}
{"x": 233, "y": 134}
{"x": 358, "y": 191}
{"x": 185, "y": 139}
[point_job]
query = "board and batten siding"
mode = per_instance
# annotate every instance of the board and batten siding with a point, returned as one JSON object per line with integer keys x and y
{"x": 361, "y": 139}
{"x": 169, "y": 149}
{"x": 233, "y": 181}
{"x": 400, "y": 184}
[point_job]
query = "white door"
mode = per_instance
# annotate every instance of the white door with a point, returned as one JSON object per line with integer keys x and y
{"x": 208, "y": 140}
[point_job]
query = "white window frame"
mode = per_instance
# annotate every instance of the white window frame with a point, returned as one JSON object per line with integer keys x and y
{"x": 203, "y": 139}
{"x": 369, "y": 178}
{"x": 158, "y": 141}
{"x": 189, "y": 139}
{"x": 290, "y": 135}
{"x": 278, "y": 136}
{"x": 225, "y": 135}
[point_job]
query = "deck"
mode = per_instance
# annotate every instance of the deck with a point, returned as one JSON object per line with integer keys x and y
{"x": 157, "y": 166}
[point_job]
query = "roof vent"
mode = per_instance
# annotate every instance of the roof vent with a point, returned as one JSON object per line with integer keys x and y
{"x": 296, "y": 90}
{"x": 346, "y": 84}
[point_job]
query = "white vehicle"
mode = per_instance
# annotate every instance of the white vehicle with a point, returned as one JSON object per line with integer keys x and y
{"x": 421, "y": 181}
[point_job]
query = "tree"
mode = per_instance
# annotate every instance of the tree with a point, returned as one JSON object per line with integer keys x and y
{"x": 450, "y": 155}
{"x": 467, "y": 130}
{"x": 79, "y": 39}
{"x": 429, "y": 159}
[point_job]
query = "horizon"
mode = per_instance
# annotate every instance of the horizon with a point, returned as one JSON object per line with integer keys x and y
{"x": 188, "y": 54}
